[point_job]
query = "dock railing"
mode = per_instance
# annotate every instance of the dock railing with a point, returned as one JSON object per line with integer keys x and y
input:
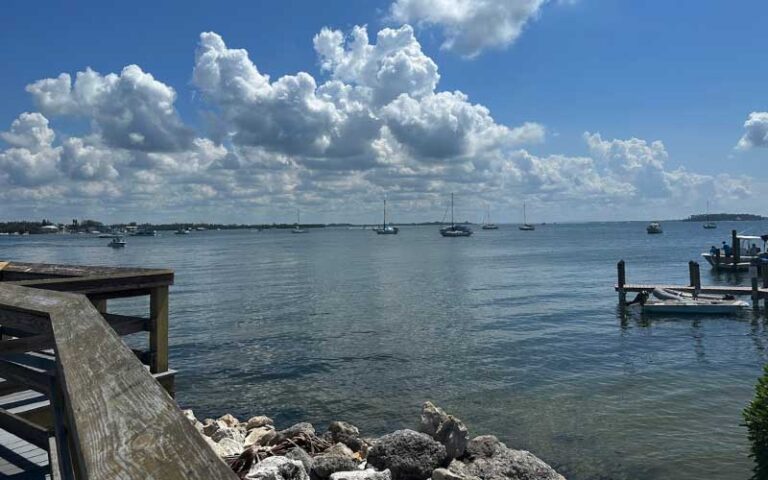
{"x": 109, "y": 417}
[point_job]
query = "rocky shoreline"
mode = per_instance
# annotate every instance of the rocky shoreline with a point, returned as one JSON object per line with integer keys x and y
{"x": 440, "y": 449}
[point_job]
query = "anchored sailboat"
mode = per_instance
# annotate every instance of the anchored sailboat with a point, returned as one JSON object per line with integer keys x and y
{"x": 487, "y": 225}
{"x": 385, "y": 229}
{"x": 709, "y": 225}
{"x": 455, "y": 230}
{"x": 297, "y": 228}
{"x": 526, "y": 226}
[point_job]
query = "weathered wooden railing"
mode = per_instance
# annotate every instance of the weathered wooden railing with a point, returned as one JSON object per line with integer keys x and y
{"x": 108, "y": 417}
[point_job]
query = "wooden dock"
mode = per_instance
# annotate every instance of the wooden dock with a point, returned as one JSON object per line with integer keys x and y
{"x": 758, "y": 290}
{"x": 76, "y": 403}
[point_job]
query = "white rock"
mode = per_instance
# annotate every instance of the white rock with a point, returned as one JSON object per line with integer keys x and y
{"x": 259, "y": 435}
{"x": 230, "y": 447}
{"x": 362, "y": 475}
{"x": 277, "y": 468}
{"x": 259, "y": 421}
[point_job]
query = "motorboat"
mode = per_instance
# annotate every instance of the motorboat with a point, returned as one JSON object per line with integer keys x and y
{"x": 181, "y": 231}
{"x": 385, "y": 229}
{"x": 117, "y": 242}
{"x": 454, "y": 230}
{"x": 654, "y": 228}
{"x": 526, "y": 227}
{"x": 662, "y": 300}
{"x": 749, "y": 253}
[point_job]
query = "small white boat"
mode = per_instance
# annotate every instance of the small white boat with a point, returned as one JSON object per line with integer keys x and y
{"x": 297, "y": 228}
{"x": 722, "y": 258}
{"x": 675, "y": 302}
{"x": 654, "y": 227}
{"x": 487, "y": 224}
{"x": 117, "y": 242}
{"x": 709, "y": 225}
{"x": 181, "y": 231}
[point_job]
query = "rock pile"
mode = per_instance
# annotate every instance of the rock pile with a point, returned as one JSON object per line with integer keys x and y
{"x": 441, "y": 449}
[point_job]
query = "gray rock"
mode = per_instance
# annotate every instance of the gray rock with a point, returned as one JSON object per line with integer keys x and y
{"x": 259, "y": 436}
{"x": 277, "y": 468}
{"x": 432, "y": 417}
{"x": 453, "y": 434}
{"x": 343, "y": 428}
{"x": 259, "y": 421}
{"x": 447, "y": 474}
{"x": 299, "y": 428}
{"x": 302, "y": 456}
{"x": 355, "y": 443}
{"x": 214, "y": 446}
{"x": 230, "y": 447}
{"x": 210, "y": 426}
{"x": 407, "y": 454}
{"x": 324, "y": 465}
{"x": 505, "y": 463}
{"x": 362, "y": 475}
{"x": 229, "y": 420}
{"x": 232, "y": 433}
{"x": 340, "y": 450}
{"x": 484, "y": 446}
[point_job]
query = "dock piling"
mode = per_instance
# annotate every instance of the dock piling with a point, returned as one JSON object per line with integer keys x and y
{"x": 696, "y": 279}
{"x": 735, "y": 247}
{"x": 622, "y": 280}
{"x": 755, "y": 294}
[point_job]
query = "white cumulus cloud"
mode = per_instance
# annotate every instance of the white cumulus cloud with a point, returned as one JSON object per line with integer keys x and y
{"x": 756, "y": 134}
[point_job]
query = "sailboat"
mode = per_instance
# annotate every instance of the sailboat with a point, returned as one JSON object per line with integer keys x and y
{"x": 385, "y": 229}
{"x": 526, "y": 226}
{"x": 487, "y": 225}
{"x": 709, "y": 225}
{"x": 297, "y": 228}
{"x": 455, "y": 230}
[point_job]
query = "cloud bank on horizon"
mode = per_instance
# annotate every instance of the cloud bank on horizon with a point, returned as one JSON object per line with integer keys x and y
{"x": 376, "y": 123}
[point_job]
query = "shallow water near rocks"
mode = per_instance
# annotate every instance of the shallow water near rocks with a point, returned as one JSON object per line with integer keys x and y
{"x": 517, "y": 333}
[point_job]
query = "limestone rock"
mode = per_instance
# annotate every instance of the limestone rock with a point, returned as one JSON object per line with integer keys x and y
{"x": 362, "y": 475}
{"x": 326, "y": 464}
{"x": 356, "y": 444}
{"x": 492, "y": 460}
{"x": 290, "y": 432}
{"x": 259, "y": 421}
{"x": 409, "y": 455}
{"x": 230, "y": 447}
{"x": 214, "y": 446}
{"x": 453, "y": 434}
{"x": 302, "y": 456}
{"x": 231, "y": 433}
{"x": 432, "y": 417}
{"x": 484, "y": 446}
{"x": 259, "y": 436}
{"x": 447, "y": 474}
{"x": 229, "y": 420}
{"x": 277, "y": 468}
{"x": 339, "y": 449}
{"x": 345, "y": 428}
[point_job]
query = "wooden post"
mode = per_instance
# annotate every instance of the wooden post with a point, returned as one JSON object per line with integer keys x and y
{"x": 696, "y": 278}
{"x": 158, "y": 332}
{"x": 755, "y": 294}
{"x": 763, "y": 268}
{"x": 101, "y": 305}
{"x": 717, "y": 259}
{"x": 691, "y": 274}
{"x": 621, "y": 282}
{"x": 736, "y": 248}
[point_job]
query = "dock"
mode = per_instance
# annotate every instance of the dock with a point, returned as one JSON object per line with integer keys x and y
{"x": 757, "y": 291}
{"x": 76, "y": 403}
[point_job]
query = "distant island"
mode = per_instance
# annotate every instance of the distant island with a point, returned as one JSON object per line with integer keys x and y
{"x": 724, "y": 217}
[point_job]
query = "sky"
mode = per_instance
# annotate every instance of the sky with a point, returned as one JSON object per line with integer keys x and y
{"x": 244, "y": 112}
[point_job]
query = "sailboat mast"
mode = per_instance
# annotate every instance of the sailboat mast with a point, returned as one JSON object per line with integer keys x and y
{"x": 452, "y": 224}
{"x": 385, "y": 213}
{"x": 525, "y": 220}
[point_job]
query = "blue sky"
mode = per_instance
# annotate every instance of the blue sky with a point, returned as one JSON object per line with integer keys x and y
{"x": 685, "y": 73}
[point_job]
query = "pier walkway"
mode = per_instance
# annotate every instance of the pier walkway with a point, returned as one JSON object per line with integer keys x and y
{"x": 76, "y": 403}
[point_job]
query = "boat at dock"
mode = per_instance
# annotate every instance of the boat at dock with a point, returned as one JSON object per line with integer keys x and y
{"x": 668, "y": 301}
{"x": 724, "y": 258}
{"x": 654, "y": 228}
{"x": 454, "y": 230}
{"x": 385, "y": 229}
{"x": 526, "y": 227}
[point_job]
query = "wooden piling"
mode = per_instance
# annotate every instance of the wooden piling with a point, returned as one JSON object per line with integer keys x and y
{"x": 755, "y": 294}
{"x": 691, "y": 280}
{"x": 696, "y": 278}
{"x": 158, "y": 334}
{"x": 622, "y": 280}
{"x": 717, "y": 259}
{"x": 736, "y": 248}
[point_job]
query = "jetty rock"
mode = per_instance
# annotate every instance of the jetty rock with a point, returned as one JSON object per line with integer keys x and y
{"x": 258, "y": 422}
{"x": 303, "y": 428}
{"x": 343, "y": 428}
{"x": 338, "y": 458}
{"x": 446, "y": 429}
{"x": 277, "y": 468}
{"x": 409, "y": 455}
{"x": 298, "y": 453}
{"x": 368, "y": 474}
{"x": 259, "y": 436}
{"x": 490, "y": 459}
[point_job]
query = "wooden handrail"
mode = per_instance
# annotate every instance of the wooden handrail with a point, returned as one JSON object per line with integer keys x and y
{"x": 123, "y": 425}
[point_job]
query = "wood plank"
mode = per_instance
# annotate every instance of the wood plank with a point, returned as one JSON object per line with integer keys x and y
{"x": 21, "y": 319}
{"x": 24, "y": 429}
{"x": 26, "y": 344}
{"x": 158, "y": 332}
{"x": 124, "y": 424}
{"x": 126, "y": 324}
{"x": 31, "y": 378}
{"x": 741, "y": 291}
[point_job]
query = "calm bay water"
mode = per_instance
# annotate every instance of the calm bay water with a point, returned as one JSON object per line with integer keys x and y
{"x": 517, "y": 333}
